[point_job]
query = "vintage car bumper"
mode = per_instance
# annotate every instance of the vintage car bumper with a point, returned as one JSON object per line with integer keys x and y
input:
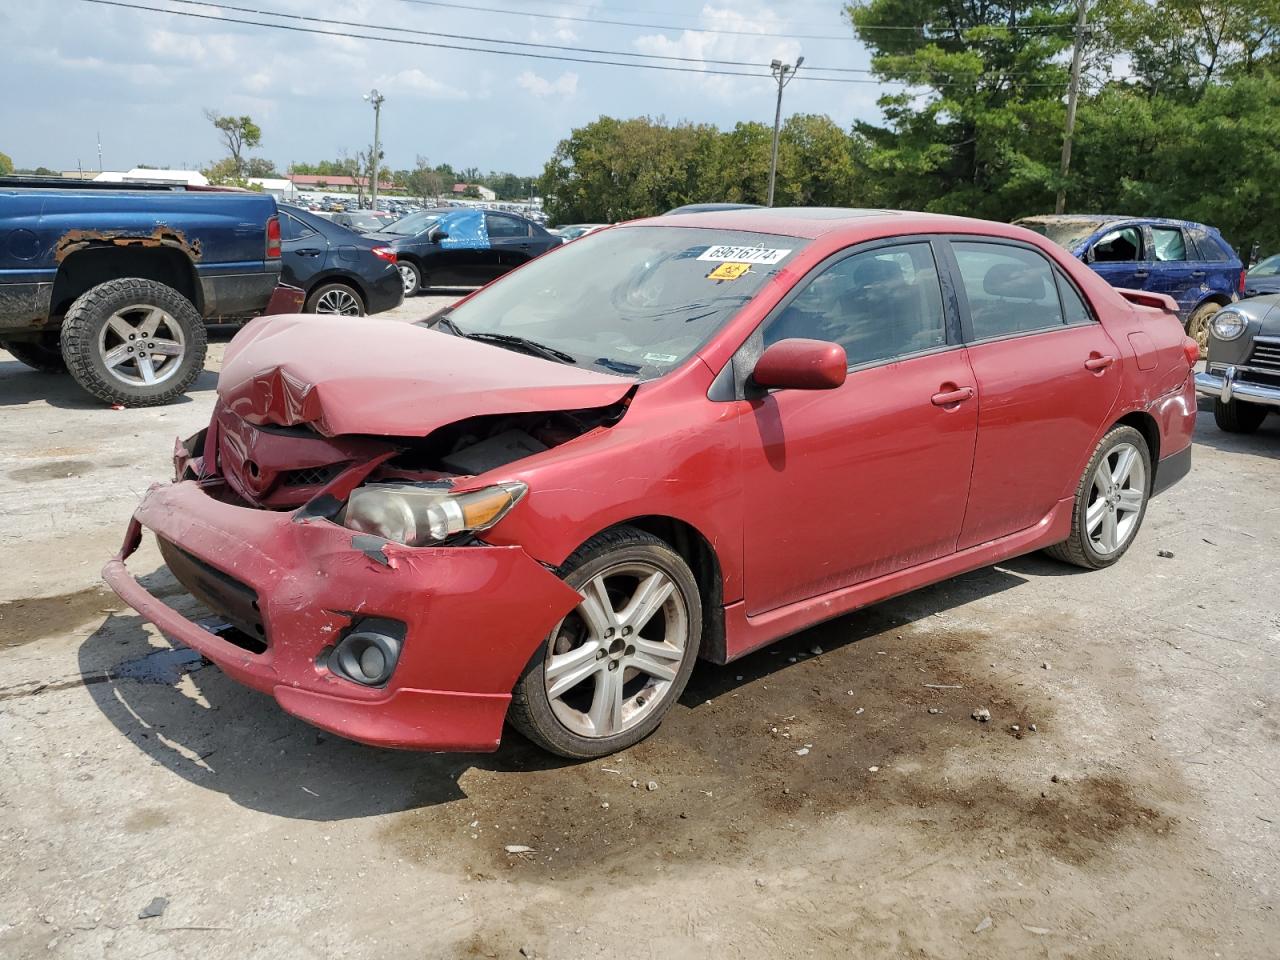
{"x": 471, "y": 616}
{"x": 1223, "y": 383}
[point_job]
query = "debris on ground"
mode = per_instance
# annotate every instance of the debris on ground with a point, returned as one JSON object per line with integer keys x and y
{"x": 517, "y": 848}
{"x": 983, "y": 924}
{"x": 934, "y": 710}
{"x": 651, "y": 785}
{"x": 1045, "y": 665}
{"x": 1165, "y": 554}
{"x": 982, "y": 715}
{"x": 1031, "y": 727}
{"x": 802, "y": 751}
{"x": 528, "y": 952}
{"x": 759, "y": 881}
{"x": 816, "y": 650}
{"x": 154, "y": 909}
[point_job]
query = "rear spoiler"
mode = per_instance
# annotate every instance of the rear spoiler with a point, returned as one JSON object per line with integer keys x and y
{"x": 1144, "y": 298}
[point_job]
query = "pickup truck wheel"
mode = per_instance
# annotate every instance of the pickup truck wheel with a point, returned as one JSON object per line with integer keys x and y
{"x": 134, "y": 342}
{"x": 44, "y": 355}
{"x": 410, "y": 277}
{"x": 1110, "y": 503}
{"x": 1198, "y": 325}
{"x": 1238, "y": 416}
{"x": 337, "y": 298}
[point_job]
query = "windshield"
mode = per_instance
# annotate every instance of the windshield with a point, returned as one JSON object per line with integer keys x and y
{"x": 630, "y": 300}
{"x": 1065, "y": 233}
{"x": 1270, "y": 267}
{"x": 413, "y": 224}
{"x": 366, "y": 221}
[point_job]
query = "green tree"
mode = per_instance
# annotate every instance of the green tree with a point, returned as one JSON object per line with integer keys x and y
{"x": 238, "y": 135}
{"x": 6, "y": 164}
{"x": 261, "y": 167}
{"x": 423, "y": 181}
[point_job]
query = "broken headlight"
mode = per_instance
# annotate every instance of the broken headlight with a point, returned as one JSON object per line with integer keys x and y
{"x": 420, "y": 516}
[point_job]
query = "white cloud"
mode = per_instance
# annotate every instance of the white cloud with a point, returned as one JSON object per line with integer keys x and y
{"x": 565, "y": 85}
{"x": 418, "y": 83}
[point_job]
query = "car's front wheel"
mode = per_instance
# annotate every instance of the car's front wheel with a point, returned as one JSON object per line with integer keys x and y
{"x": 1110, "y": 501}
{"x": 410, "y": 277}
{"x": 1238, "y": 416}
{"x": 611, "y": 669}
{"x": 1198, "y": 325}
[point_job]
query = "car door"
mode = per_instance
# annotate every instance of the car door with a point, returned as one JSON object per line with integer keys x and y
{"x": 846, "y": 485}
{"x": 1174, "y": 267}
{"x": 512, "y": 238}
{"x": 1047, "y": 378}
{"x": 1119, "y": 256}
{"x": 465, "y": 257}
{"x": 302, "y": 252}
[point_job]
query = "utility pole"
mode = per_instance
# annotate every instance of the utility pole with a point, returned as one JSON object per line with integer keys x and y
{"x": 1073, "y": 92}
{"x": 99, "y": 152}
{"x": 374, "y": 97}
{"x": 784, "y": 73}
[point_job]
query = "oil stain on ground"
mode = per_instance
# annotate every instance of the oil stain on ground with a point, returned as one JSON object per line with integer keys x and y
{"x": 788, "y": 738}
{"x": 52, "y": 470}
{"x": 22, "y": 621}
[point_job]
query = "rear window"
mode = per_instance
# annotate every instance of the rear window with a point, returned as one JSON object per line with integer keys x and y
{"x": 1209, "y": 246}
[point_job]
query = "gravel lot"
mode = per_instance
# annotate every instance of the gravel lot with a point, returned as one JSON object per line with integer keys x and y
{"x": 1132, "y": 813}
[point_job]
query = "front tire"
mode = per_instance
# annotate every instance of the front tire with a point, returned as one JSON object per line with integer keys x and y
{"x": 134, "y": 342}
{"x": 1198, "y": 325}
{"x": 608, "y": 673}
{"x": 338, "y": 299}
{"x": 1110, "y": 501}
{"x": 44, "y": 355}
{"x": 410, "y": 277}
{"x": 1238, "y": 416}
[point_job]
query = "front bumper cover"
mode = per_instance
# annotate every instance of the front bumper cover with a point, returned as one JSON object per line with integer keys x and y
{"x": 474, "y": 615}
{"x": 1224, "y": 384}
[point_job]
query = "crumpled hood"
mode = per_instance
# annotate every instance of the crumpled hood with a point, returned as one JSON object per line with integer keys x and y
{"x": 361, "y": 375}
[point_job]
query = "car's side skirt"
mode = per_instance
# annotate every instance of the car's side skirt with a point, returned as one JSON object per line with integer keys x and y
{"x": 744, "y": 634}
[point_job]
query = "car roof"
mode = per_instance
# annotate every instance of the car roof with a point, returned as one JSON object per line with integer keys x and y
{"x": 1110, "y": 218}
{"x": 811, "y": 223}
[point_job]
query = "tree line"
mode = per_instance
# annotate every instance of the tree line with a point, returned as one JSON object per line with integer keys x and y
{"x": 1179, "y": 116}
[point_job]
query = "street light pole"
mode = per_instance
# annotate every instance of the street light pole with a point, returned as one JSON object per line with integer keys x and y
{"x": 374, "y": 97}
{"x": 784, "y": 73}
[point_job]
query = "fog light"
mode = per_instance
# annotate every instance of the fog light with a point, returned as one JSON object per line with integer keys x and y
{"x": 368, "y": 654}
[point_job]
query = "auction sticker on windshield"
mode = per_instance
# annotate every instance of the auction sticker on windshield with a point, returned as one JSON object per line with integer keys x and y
{"x": 729, "y": 271}
{"x": 723, "y": 254}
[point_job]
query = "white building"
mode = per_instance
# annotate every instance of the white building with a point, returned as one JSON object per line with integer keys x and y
{"x": 279, "y": 188}
{"x": 192, "y": 178}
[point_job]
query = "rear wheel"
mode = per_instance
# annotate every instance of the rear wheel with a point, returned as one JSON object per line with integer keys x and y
{"x": 410, "y": 277}
{"x": 611, "y": 669}
{"x": 1238, "y": 416}
{"x": 336, "y": 298}
{"x": 1198, "y": 325}
{"x": 134, "y": 342}
{"x": 1110, "y": 501}
{"x": 44, "y": 354}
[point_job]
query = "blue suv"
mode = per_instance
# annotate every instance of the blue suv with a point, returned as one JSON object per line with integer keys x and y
{"x": 1188, "y": 261}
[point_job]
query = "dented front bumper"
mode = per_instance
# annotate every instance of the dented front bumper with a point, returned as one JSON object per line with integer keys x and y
{"x": 473, "y": 615}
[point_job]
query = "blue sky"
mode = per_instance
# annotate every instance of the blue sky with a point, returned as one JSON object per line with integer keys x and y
{"x": 142, "y": 79}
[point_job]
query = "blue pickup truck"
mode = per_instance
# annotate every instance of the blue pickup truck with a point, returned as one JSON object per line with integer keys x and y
{"x": 115, "y": 286}
{"x": 1188, "y": 261}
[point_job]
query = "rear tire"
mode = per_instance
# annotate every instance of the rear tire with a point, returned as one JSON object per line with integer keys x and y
{"x": 1198, "y": 325}
{"x": 1238, "y": 416}
{"x": 134, "y": 342}
{"x": 339, "y": 299}
{"x": 411, "y": 277}
{"x": 44, "y": 355}
{"x": 1107, "y": 511}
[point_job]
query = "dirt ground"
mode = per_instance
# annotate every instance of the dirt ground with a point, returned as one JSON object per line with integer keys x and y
{"x": 830, "y": 796}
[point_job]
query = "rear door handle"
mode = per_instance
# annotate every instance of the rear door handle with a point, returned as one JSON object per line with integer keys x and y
{"x": 1098, "y": 363}
{"x": 1197, "y": 274}
{"x": 308, "y": 252}
{"x": 949, "y": 397}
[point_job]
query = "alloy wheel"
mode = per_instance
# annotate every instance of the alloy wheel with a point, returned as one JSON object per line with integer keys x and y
{"x": 612, "y": 661}
{"x": 339, "y": 301}
{"x": 409, "y": 278}
{"x": 141, "y": 345}
{"x": 1116, "y": 499}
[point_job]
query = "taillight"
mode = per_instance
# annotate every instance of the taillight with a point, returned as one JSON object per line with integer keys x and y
{"x": 386, "y": 253}
{"x": 1243, "y": 274}
{"x": 1191, "y": 350}
{"x": 273, "y": 238}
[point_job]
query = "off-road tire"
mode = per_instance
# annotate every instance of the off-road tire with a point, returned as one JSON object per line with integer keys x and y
{"x": 530, "y": 711}
{"x": 90, "y": 313}
{"x": 1076, "y": 549}
{"x": 1238, "y": 416}
{"x": 44, "y": 355}
{"x": 314, "y": 299}
{"x": 1198, "y": 325}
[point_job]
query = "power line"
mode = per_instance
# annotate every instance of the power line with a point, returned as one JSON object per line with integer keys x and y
{"x": 661, "y": 67}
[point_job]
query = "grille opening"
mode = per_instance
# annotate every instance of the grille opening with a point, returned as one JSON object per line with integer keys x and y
{"x": 232, "y": 600}
{"x": 312, "y": 476}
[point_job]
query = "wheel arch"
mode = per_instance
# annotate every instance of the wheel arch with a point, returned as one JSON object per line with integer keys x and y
{"x": 1145, "y": 424}
{"x": 338, "y": 276}
{"x": 84, "y": 269}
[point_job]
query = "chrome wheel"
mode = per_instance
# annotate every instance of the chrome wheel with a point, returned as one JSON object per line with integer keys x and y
{"x": 339, "y": 300}
{"x": 1116, "y": 498}
{"x": 141, "y": 345}
{"x": 409, "y": 277}
{"x": 612, "y": 661}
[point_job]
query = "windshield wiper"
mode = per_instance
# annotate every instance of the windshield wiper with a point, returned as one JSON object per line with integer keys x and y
{"x": 520, "y": 343}
{"x": 618, "y": 366}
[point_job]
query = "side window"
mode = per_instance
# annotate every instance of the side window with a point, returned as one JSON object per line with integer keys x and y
{"x": 880, "y": 304}
{"x": 1010, "y": 290}
{"x": 501, "y": 227}
{"x": 292, "y": 228}
{"x": 1073, "y": 308}
{"x": 1167, "y": 244}
{"x": 1119, "y": 245}
{"x": 1210, "y": 248}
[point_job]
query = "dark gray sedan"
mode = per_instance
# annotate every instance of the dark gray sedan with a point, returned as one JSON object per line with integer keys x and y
{"x": 1243, "y": 370}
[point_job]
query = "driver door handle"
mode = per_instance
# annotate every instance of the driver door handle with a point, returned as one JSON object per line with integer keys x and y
{"x": 949, "y": 397}
{"x": 1098, "y": 363}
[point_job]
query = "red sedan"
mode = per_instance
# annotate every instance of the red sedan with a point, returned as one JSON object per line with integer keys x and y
{"x": 683, "y": 437}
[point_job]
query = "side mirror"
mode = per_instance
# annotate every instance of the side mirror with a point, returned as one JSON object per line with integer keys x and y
{"x": 436, "y": 235}
{"x": 797, "y": 364}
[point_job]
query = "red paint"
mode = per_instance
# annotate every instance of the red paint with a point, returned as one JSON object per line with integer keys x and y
{"x": 813, "y": 502}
